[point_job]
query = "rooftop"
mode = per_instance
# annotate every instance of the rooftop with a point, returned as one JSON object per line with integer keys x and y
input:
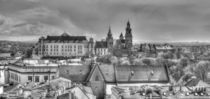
{"x": 35, "y": 62}
{"x": 133, "y": 74}
{"x": 101, "y": 44}
{"x": 75, "y": 73}
{"x": 65, "y": 37}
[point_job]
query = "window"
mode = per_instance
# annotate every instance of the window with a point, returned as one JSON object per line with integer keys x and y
{"x": 97, "y": 78}
{"x": 12, "y": 76}
{"x": 16, "y": 77}
{"x": 80, "y": 49}
{"x": 67, "y": 71}
{"x": 45, "y": 78}
{"x": 36, "y": 78}
{"x": 30, "y": 78}
{"x": 53, "y": 77}
{"x": 19, "y": 79}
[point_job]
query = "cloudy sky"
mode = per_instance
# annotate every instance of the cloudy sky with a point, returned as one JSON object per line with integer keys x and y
{"x": 151, "y": 20}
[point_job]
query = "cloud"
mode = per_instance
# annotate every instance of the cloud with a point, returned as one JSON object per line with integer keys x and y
{"x": 151, "y": 20}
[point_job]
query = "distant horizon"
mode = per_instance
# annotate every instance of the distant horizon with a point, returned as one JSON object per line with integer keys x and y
{"x": 134, "y": 42}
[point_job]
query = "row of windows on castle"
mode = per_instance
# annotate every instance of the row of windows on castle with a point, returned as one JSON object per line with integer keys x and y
{"x": 63, "y": 49}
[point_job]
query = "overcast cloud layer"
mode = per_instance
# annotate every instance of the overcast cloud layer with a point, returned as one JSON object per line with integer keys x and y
{"x": 151, "y": 20}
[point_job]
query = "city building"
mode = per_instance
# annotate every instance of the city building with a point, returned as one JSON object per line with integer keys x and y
{"x": 101, "y": 48}
{"x": 147, "y": 47}
{"x": 91, "y": 47}
{"x": 78, "y": 92}
{"x": 103, "y": 77}
{"x": 53, "y": 88}
{"x": 62, "y": 46}
{"x": 27, "y": 70}
{"x": 5, "y": 55}
{"x": 125, "y": 42}
{"x": 76, "y": 73}
{"x": 104, "y": 47}
{"x": 4, "y": 75}
{"x": 136, "y": 92}
{"x": 207, "y": 77}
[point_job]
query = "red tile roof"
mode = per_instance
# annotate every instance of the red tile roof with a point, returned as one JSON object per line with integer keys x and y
{"x": 75, "y": 73}
{"x": 133, "y": 74}
{"x": 146, "y": 74}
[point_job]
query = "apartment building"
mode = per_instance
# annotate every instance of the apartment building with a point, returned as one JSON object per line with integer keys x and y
{"x": 36, "y": 71}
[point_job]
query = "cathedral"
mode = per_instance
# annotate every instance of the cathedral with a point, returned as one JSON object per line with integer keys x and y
{"x": 125, "y": 42}
{"x": 106, "y": 46}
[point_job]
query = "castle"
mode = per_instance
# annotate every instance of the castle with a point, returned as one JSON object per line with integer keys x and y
{"x": 67, "y": 46}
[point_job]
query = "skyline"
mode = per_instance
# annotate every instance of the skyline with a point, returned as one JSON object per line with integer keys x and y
{"x": 151, "y": 21}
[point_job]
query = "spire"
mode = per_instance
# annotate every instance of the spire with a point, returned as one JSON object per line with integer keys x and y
{"x": 109, "y": 32}
{"x": 109, "y": 35}
{"x": 121, "y": 36}
{"x": 128, "y": 29}
{"x": 128, "y": 24}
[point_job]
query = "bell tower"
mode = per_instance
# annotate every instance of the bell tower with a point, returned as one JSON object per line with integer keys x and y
{"x": 128, "y": 36}
{"x": 109, "y": 39}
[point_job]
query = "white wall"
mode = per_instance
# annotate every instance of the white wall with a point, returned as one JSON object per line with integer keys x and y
{"x": 2, "y": 76}
{"x": 23, "y": 78}
{"x": 68, "y": 49}
{"x": 1, "y": 89}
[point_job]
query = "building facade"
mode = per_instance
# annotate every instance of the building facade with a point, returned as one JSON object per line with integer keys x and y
{"x": 62, "y": 46}
{"x": 23, "y": 72}
{"x": 128, "y": 37}
{"x": 125, "y": 42}
{"x": 3, "y": 75}
{"x": 103, "y": 77}
{"x": 91, "y": 46}
{"x": 101, "y": 48}
{"x": 104, "y": 47}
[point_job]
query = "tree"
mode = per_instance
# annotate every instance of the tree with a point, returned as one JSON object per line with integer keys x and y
{"x": 138, "y": 61}
{"x": 147, "y": 62}
{"x": 177, "y": 73}
{"x": 201, "y": 69}
{"x": 183, "y": 62}
{"x": 104, "y": 59}
{"x": 132, "y": 59}
{"x": 29, "y": 53}
{"x": 114, "y": 60}
{"x": 124, "y": 61}
{"x": 168, "y": 55}
{"x": 165, "y": 62}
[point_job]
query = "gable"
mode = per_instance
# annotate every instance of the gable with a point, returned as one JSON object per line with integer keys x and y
{"x": 96, "y": 74}
{"x": 108, "y": 72}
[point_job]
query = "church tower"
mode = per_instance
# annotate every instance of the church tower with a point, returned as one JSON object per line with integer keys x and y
{"x": 128, "y": 36}
{"x": 91, "y": 46}
{"x": 109, "y": 39}
{"x": 121, "y": 37}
